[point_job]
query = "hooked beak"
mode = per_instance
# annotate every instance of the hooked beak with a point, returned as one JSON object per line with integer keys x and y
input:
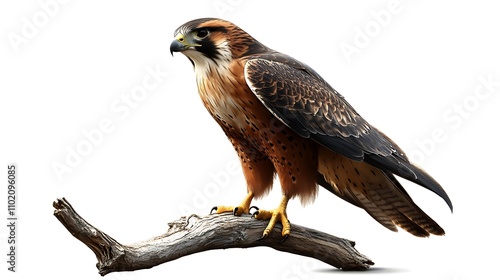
{"x": 177, "y": 46}
{"x": 181, "y": 43}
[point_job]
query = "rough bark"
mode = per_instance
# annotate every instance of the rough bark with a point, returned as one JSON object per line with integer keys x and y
{"x": 194, "y": 234}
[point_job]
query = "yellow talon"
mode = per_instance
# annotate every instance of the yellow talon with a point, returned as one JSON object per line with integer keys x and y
{"x": 244, "y": 207}
{"x": 278, "y": 214}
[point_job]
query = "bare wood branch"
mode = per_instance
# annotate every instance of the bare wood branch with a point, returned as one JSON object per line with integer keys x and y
{"x": 194, "y": 234}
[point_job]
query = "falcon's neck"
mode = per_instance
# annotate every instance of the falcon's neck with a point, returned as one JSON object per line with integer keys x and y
{"x": 220, "y": 81}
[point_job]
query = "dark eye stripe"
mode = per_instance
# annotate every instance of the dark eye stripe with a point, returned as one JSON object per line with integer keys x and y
{"x": 207, "y": 47}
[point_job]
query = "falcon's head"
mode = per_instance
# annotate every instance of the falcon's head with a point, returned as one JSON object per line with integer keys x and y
{"x": 213, "y": 42}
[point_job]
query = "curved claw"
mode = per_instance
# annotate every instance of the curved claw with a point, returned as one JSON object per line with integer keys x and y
{"x": 285, "y": 238}
{"x": 235, "y": 211}
{"x": 264, "y": 235}
{"x": 214, "y": 208}
{"x": 250, "y": 210}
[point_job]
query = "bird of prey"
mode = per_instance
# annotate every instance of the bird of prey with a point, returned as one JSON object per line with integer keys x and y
{"x": 284, "y": 119}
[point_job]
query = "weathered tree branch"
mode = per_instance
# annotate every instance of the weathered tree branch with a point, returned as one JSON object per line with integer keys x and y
{"x": 193, "y": 234}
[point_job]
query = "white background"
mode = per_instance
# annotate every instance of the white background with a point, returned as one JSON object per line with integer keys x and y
{"x": 410, "y": 76}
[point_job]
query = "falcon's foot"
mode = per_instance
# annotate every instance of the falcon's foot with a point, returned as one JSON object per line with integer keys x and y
{"x": 244, "y": 207}
{"x": 274, "y": 216}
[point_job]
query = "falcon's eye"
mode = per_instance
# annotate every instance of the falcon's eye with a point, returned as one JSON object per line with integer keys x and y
{"x": 201, "y": 34}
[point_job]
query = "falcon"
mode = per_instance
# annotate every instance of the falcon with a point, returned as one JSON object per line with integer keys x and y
{"x": 284, "y": 119}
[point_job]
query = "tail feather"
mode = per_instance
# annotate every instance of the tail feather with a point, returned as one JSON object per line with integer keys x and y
{"x": 378, "y": 192}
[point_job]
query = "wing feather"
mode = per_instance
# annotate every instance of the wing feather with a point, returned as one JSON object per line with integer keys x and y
{"x": 303, "y": 101}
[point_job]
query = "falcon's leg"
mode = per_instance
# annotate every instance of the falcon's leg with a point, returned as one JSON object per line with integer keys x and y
{"x": 259, "y": 175}
{"x": 244, "y": 206}
{"x": 274, "y": 216}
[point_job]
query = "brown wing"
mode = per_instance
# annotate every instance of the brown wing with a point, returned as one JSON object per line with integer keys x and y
{"x": 303, "y": 101}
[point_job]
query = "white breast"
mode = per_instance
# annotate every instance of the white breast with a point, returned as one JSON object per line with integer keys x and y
{"x": 216, "y": 86}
